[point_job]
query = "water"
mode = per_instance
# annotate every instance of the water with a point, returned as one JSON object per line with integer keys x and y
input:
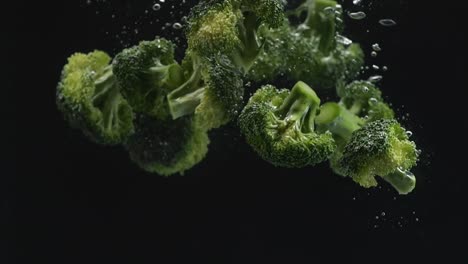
{"x": 233, "y": 200}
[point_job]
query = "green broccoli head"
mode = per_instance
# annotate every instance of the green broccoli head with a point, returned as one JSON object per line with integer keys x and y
{"x": 364, "y": 99}
{"x": 212, "y": 27}
{"x": 167, "y": 146}
{"x": 147, "y": 72}
{"x": 224, "y": 93}
{"x": 380, "y": 148}
{"x": 89, "y": 97}
{"x": 308, "y": 53}
{"x": 268, "y": 12}
{"x": 320, "y": 22}
{"x": 213, "y": 91}
{"x": 279, "y": 125}
{"x": 230, "y": 27}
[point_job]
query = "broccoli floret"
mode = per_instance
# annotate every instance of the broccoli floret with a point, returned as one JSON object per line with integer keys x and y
{"x": 212, "y": 27}
{"x": 365, "y": 150}
{"x": 309, "y": 52}
{"x": 364, "y": 99}
{"x": 213, "y": 91}
{"x": 380, "y": 148}
{"x": 167, "y": 146}
{"x": 279, "y": 125}
{"x": 147, "y": 72}
{"x": 230, "y": 27}
{"x": 89, "y": 97}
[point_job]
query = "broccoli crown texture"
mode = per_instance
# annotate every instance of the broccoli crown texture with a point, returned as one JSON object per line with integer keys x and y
{"x": 213, "y": 91}
{"x": 379, "y": 148}
{"x": 147, "y": 72}
{"x": 89, "y": 97}
{"x": 364, "y": 99}
{"x": 279, "y": 125}
{"x": 312, "y": 52}
{"x": 167, "y": 146}
{"x": 230, "y": 27}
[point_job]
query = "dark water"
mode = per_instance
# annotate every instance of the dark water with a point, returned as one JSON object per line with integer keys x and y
{"x": 71, "y": 201}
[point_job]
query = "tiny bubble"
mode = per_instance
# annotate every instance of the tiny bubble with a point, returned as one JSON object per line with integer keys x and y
{"x": 156, "y": 7}
{"x": 177, "y": 26}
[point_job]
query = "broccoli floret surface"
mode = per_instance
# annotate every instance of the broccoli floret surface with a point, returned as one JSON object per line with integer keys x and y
{"x": 279, "y": 125}
{"x": 89, "y": 98}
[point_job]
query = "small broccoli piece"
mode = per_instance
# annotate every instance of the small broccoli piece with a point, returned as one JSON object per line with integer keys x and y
{"x": 212, "y": 27}
{"x": 365, "y": 150}
{"x": 89, "y": 97}
{"x": 380, "y": 148}
{"x": 231, "y": 27}
{"x": 213, "y": 91}
{"x": 309, "y": 52}
{"x": 364, "y": 99}
{"x": 279, "y": 125}
{"x": 147, "y": 72}
{"x": 167, "y": 146}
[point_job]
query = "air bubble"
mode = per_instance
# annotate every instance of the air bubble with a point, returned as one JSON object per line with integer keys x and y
{"x": 177, "y": 26}
{"x": 375, "y": 78}
{"x": 357, "y": 15}
{"x": 373, "y": 101}
{"x": 376, "y": 47}
{"x": 373, "y": 54}
{"x": 343, "y": 40}
{"x": 156, "y": 7}
{"x": 387, "y": 22}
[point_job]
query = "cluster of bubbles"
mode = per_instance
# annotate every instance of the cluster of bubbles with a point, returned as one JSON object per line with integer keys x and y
{"x": 130, "y": 29}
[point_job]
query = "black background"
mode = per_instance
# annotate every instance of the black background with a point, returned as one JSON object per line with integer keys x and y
{"x": 67, "y": 200}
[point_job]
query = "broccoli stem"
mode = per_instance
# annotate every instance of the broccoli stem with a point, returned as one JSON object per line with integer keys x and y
{"x": 356, "y": 108}
{"x": 106, "y": 98}
{"x": 403, "y": 181}
{"x": 185, "y": 99}
{"x": 338, "y": 120}
{"x": 104, "y": 85}
{"x": 171, "y": 73}
{"x": 250, "y": 48}
{"x": 320, "y": 21}
{"x": 300, "y": 106}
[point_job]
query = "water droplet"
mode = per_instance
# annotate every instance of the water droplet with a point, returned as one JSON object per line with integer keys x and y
{"x": 375, "y": 67}
{"x": 375, "y": 78}
{"x": 387, "y": 22}
{"x": 417, "y": 219}
{"x": 329, "y": 10}
{"x": 373, "y": 54}
{"x": 376, "y": 47}
{"x": 382, "y": 214}
{"x": 156, "y": 7}
{"x": 162, "y": 1}
{"x": 357, "y": 15}
{"x": 343, "y": 40}
{"x": 177, "y": 26}
{"x": 357, "y": 2}
{"x": 373, "y": 101}
{"x": 385, "y": 68}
